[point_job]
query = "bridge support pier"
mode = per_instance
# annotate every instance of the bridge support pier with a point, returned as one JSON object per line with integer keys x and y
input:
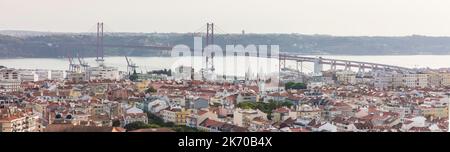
{"x": 347, "y": 66}
{"x": 333, "y": 65}
{"x": 300, "y": 71}
{"x": 374, "y": 67}
{"x": 282, "y": 63}
{"x": 361, "y": 70}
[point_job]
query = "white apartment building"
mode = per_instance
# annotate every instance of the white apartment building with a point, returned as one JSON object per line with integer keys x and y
{"x": 13, "y": 122}
{"x": 346, "y": 77}
{"x": 103, "y": 73}
{"x": 157, "y": 105}
{"x": 397, "y": 80}
{"x": 9, "y": 74}
{"x": 29, "y": 75}
{"x": 183, "y": 73}
{"x": 9, "y": 80}
{"x": 415, "y": 80}
{"x": 57, "y": 75}
{"x": 76, "y": 76}
{"x": 169, "y": 115}
{"x": 43, "y": 74}
{"x": 319, "y": 80}
{"x": 384, "y": 79}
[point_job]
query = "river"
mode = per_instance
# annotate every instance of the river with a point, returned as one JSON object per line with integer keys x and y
{"x": 229, "y": 63}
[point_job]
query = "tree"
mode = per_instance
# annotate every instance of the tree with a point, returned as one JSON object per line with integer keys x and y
{"x": 185, "y": 129}
{"x": 247, "y": 105}
{"x": 151, "y": 90}
{"x": 293, "y": 85}
{"x": 135, "y": 125}
{"x": 265, "y": 107}
{"x": 170, "y": 124}
{"x": 169, "y": 73}
{"x": 153, "y": 126}
{"x": 216, "y": 104}
{"x": 154, "y": 119}
{"x": 116, "y": 123}
{"x": 134, "y": 76}
{"x": 287, "y": 104}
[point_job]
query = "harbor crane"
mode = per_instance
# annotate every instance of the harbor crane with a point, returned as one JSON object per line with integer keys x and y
{"x": 72, "y": 66}
{"x": 84, "y": 65}
{"x": 131, "y": 67}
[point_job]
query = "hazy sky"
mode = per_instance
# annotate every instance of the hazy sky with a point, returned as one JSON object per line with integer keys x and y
{"x": 334, "y": 17}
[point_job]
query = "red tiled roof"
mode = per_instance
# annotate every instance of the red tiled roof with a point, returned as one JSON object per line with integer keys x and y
{"x": 281, "y": 110}
{"x": 420, "y": 129}
{"x": 211, "y": 123}
{"x": 299, "y": 130}
{"x": 201, "y": 112}
{"x": 154, "y": 130}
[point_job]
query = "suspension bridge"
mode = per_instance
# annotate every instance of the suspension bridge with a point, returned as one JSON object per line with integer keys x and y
{"x": 209, "y": 37}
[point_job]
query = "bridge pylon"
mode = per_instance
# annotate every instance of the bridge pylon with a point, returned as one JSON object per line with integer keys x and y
{"x": 99, "y": 44}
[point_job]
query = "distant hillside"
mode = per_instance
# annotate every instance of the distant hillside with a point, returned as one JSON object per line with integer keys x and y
{"x": 16, "y": 33}
{"x": 43, "y": 44}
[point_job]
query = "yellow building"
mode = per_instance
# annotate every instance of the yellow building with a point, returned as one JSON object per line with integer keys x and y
{"x": 437, "y": 112}
{"x": 75, "y": 93}
{"x": 445, "y": 79}
{"x": 175, "y": 115}
{"x": 142, "y": 86}
{"x": 434, "y": 79}
{"x": 181, "y": 117}
{"x": 306, "y": 111}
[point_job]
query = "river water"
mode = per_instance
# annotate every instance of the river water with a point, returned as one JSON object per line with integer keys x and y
{"x": 227, "y": 65}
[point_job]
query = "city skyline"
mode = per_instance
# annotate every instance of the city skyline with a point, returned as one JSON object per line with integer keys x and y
{"x": 220, "y": 77}
{"x": 340, "y": 18}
